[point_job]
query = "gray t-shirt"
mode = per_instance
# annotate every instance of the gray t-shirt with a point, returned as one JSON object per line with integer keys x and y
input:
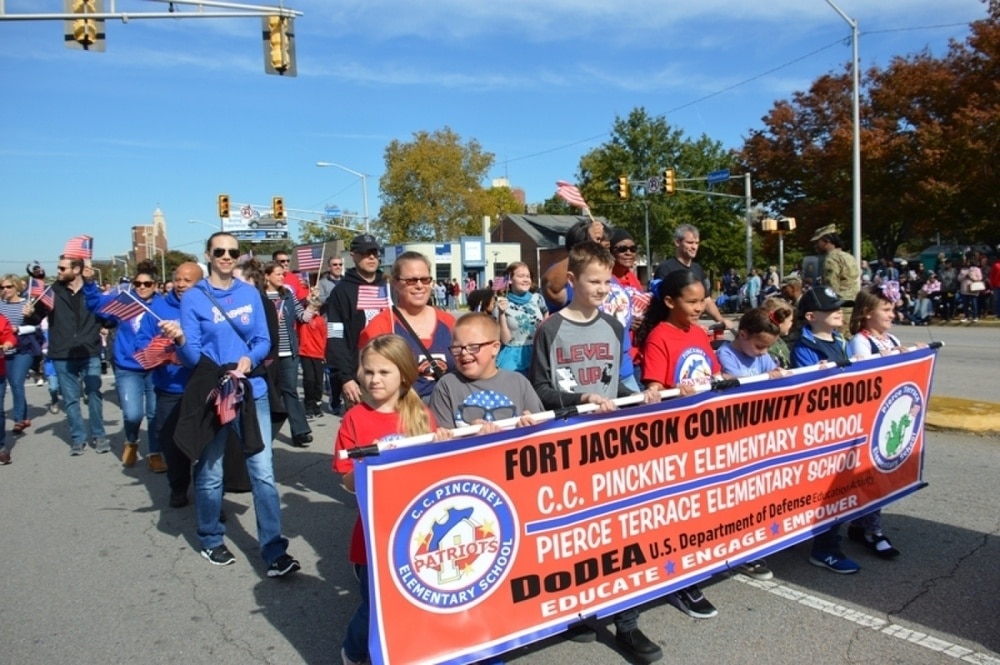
{"x": 571, "y": 359}
{"x": 458, "y": 401}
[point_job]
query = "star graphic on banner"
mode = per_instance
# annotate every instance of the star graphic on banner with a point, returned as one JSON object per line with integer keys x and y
{"x": 670, "y": 567}
{"x": 775, "y": 529}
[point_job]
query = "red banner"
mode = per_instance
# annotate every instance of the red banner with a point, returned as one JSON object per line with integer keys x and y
{"x": 496, "y": 541}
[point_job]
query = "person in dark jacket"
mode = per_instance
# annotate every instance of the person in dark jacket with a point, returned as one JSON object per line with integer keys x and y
{"x": 345, "y": 321}
{"x": 75, "y": 351}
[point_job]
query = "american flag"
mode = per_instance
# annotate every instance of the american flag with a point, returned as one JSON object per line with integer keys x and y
{"x": 123, "y": 306}
{"x": 46, "y": 298}
{"x": 160, "y": 351}
{"x": 36, "y": 287}
{"x": 640, "y": 302}
{"x": 309, "y": 258}
{"x": 373, "y": 297}
{"x": 571, "y": 194}
{"x": 245, "y": 257}
{"x": 80, "y": 247}
{"x": 499, "y": 283}
{"x": 227, "y": 396}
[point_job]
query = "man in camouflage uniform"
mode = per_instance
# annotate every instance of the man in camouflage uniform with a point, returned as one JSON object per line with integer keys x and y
{"x": 840, "y": 271}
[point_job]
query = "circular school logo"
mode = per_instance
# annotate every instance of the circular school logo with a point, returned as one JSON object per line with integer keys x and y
{"x": 454, "y": 545}
{"x": 693, "y": 367}
{"x": 897, "y": 425}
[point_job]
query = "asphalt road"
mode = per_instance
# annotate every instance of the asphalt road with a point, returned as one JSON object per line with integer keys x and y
{"x": 97, "y": 569}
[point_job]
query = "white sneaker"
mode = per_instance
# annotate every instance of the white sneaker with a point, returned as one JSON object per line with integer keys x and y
{"x": 40, "y": 382}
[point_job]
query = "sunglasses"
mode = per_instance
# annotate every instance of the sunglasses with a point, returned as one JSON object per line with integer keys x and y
{"x": 147, "y": 284}
{"x": 471, "y": 349}
{"x": 371, "y": 252}
{"x": 337, "y": 265}
{"x": 412, "y": 281}
{"x": 63, "y": 268}
{"x": 219, "y": 252}
{"x": 282, "y": 260}
{"x": 626, "y": 249}
{"x": 6, "y": 286}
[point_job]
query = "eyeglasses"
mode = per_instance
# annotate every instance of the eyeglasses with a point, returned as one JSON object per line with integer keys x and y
{"x": 147, "y": 284}
{"x": 626, "y": 249}
{"x": 471, "y": 349}
{"x": 336, "y": 265}
{"x": 370, "y": 252}
{"x": 6, "y": 286}
{"x": 282, "y": 260}
{"x": 219, "y": 252}
{"x": 63, "y": 268}
{"x": 412, "y": 281}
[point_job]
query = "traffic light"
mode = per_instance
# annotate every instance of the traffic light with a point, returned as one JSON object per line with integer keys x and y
{"x": 279, "y": 45}
{"x": 278, "y": 207}
{"x": 224, "y": 206}
{"x": 623, "y": 187}
{"x": 84, "y": 33}
{"x": 668, "y": 181}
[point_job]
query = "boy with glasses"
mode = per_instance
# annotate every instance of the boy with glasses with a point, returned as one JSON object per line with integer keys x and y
{"x": 478, "y": 391}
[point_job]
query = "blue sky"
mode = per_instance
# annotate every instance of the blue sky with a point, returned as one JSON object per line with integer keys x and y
{"x": 175, "y": 112}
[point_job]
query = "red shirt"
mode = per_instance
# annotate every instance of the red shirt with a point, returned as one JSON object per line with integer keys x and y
{"x": 312, "y": 338}
{"x": 673, "y": 356}
{"x": 362, "y": 426}
{"x": 293, "y": 282}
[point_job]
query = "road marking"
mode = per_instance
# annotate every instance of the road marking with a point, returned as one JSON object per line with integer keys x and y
{"x": 875, "y": 623}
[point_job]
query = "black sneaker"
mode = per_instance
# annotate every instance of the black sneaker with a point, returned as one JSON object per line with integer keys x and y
{"x": 283, "y": 566}
{"x": 692, "y": 602}
{"x": 219, "y": 556}
{"x": 178, "y": 499}
{"x": 302, "y": 440}
{"x": 640, "y": 647}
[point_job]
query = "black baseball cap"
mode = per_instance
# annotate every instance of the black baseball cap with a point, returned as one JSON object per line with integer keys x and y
{"x": 822, "y": 299}
{"x": 364, "y": 243}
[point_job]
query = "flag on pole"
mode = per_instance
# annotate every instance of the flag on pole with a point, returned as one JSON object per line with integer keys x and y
{"x": 373, "y": 297}
{"x": 80, "y": 247}
{"x": 499, "y": 283}
{"x": 571, "y": 194}
{"x": 123, "y": 306}
{"x": 309, "y": 258}
{"x": 245, "y": 257}
{"x": 160, "y": 351}
{"x": 47, "y": 298}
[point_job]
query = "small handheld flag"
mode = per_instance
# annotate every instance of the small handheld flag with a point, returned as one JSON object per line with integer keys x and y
{"x": 160, "y": 351}
{"x": 499, "y": 283}
{"x": 571, "y": 194}
{"x": 123, "y": 306}
{"x": 373, "y": 297}
{"x": 80, "y": 247}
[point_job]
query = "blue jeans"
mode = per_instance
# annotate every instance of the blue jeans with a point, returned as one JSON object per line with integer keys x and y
{"x": 70, "y": 371}
{"x": 266, "y": 502}
{"x": 135, "y": 389}
{"x": 356, "y": 640}
{"x": 3, "y": 412}
{"x": 971, "y": 305}
{"x": 18, "y": 365}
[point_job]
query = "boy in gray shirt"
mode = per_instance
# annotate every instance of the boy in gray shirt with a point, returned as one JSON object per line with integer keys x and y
{"x": 478, "y": 390}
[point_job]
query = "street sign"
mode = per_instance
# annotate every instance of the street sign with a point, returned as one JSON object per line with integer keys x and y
{"x": 653, "y": 185}
{"x": 259, "y": 235}
{"x": 718, "y": 176}
{"x": 334, "y": 212}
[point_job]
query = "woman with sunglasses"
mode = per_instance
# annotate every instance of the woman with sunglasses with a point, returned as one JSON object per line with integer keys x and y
{"x": 289, "y": 311}
{"x": 21, "y": 357}
{"x": 134, "y": 384}
{"x": 519, "y": 311}
{"x": 426, "y": 329}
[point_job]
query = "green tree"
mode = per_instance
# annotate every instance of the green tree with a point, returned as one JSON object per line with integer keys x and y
{"x": 343, "y": 228}
{"x": 642, "y": 147}
{"x": 431, "y": 188}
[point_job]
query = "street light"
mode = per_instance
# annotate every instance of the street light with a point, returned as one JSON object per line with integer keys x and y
{"x": 856, "y": 104}
{"x": 364, "y": 185}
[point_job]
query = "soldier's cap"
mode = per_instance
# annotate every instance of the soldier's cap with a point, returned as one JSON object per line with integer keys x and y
{"x": 829, "y": 229}
{"x": 822, "y": 299}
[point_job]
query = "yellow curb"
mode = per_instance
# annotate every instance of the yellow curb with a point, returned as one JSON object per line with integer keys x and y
{"x": 955, "y": 413}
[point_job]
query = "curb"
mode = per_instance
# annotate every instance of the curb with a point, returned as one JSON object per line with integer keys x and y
{"x": 966, "y": 415}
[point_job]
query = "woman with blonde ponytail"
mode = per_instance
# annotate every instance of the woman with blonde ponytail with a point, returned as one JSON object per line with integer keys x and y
{"x": 390, "y": 409}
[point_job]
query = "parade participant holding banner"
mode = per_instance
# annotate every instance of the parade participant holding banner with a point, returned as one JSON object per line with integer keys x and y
{"x": 747, "y": 355}
{"x": 563, "y": 374}
{"x": 478, "y": 391}
{"x": 676, "y": 354}
{"x": 871, "y": 321}
{"x": 390, "y": 409}
{"x": 820, "y": 306}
